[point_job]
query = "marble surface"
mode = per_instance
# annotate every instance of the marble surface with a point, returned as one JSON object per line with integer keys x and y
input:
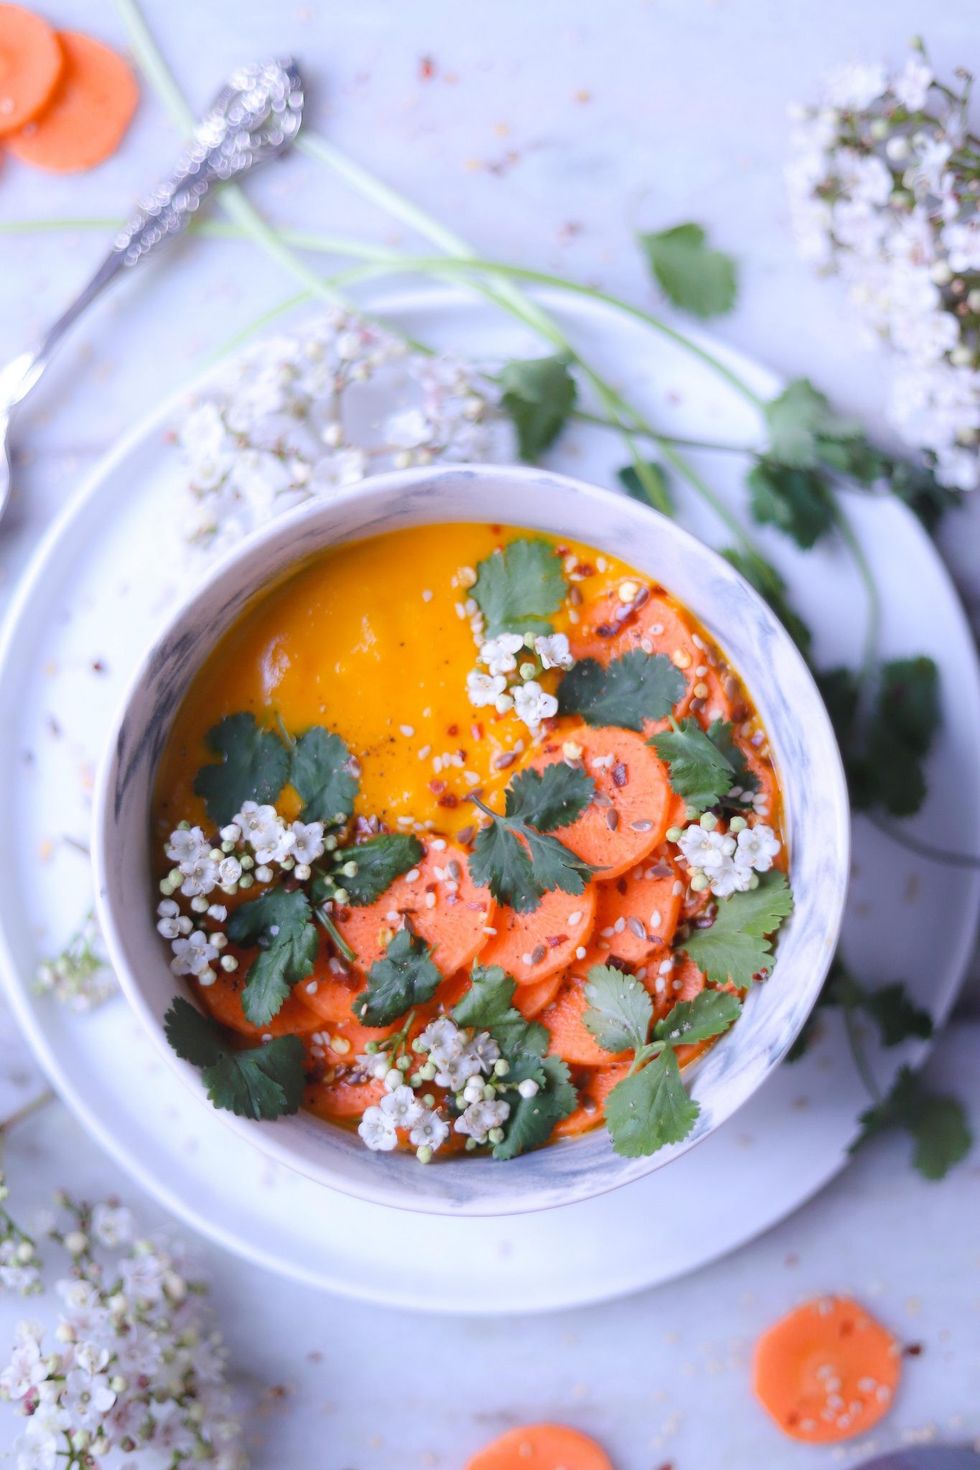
{"x": 547, "y": 138}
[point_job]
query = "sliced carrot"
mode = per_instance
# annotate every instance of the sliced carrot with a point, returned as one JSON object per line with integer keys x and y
{"x": 330, "y": 994}
{"x": 31, "y": 63}
{"x": 223, "y": 1001}
{"x": 827, "y": 1371}
{"x": 440, "y": 900}
{"x": 637, "y": 913}
{"x": 86, "y": 118}
{"x": 593, "y": 1089}
{"x": 541, "y": 1447}
{"x": 346, "y": 1095}
{"x": 767, "y": 792}
{"x": 531, "y": 1000}
{"x": 538, "y": 944}
{"x": 631, "y": 810}
{"x": 609, "y": 628}
{"x": 682, "y": 982}
{"x": 571, "y": 1039}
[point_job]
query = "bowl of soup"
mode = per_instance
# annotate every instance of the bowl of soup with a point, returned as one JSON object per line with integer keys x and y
{"x": 475, "y": 841}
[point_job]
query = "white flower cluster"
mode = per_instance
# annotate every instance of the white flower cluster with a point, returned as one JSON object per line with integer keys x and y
{"x": 469, "y": 1066}
{"x": 726, "y": 862}
{"x": 509, "y": 684}
{"x": 135, "y": 1366}
{"x": 20, "y": 1264}
{"x": 299, "y": 417}
{"x": 79, "y": 977}
{"x": 885, "y": 187}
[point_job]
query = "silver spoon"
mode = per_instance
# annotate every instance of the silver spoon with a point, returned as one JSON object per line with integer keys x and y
{"x": 928, "y": 1457}
{"x": 255, "y": 116}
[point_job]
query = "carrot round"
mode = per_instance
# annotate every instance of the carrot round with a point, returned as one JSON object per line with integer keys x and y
{"x": 31, "y": 63}
{"x": 442, "y": 903}
{"x": 86, "y": 118}
{"x": 532, "y": 946}
{"x": 571, "y": 1039}
{"x": 631, "y": 809}
{"x": 541, "y": 1447}
{"x": 636, "y": 913}
{"x": 344, "y": 1096}
{"x": 827, "y": 1371}
{"x": 531, "y": 1000}
{"x": 223, "y": 1001}
{"x": 593, "y": 1090}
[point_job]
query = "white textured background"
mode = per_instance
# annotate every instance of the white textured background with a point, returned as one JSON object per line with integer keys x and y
{"x": 547, "y": 133}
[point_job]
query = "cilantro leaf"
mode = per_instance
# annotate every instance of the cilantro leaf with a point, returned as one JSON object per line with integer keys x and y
{"x": 803, "y": 429}
{"x": 630, "y": 689}
{"x": 519, "y": 587}
{"x": 651, "y": 1108}
{"x": 694, "y": 277}
{"x": 720, "y": 733}
{"x": 798, "y": 501}
{"x": 736, "y": 947}
{"x": 620, "y": 1009}
{"x": 937, "y": 1122}
{"x": 762, "y": 575}
{"x": 380, "y": 860}
{"x": 538, "y": 395}
{"x": 840, "y": 692}
{"x": 260, "y": 1082}
{"x": 551, "y": 798}
{"x": 896, "y": 1014}
{"x": 709, "y": 1014}
{"x": 405, "y": 977}
{"x": 278, "y": 922}
{"x": 888, "y": 771}
{"x": 700, "y": 771}
{"x": 254, "y": 766}
{"x": 321, "y": 770}
{"x": 532, "y": 1119}
{"x": 631, "y": 482}
{"x": 513, "y": 858}
{"x": 918, "y": 488}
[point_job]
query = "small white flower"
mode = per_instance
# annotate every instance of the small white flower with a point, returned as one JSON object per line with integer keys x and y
{"x": 912, "y": 84}
{"x": 480, "y": 1117}
{"x": 187, "y": 846}
{"x": 962, "y": 241}
{"x": 26, "y": 1367}
{"x": 169, "y": 928}
{"x": 455, "y": 1071}
{"x": 553, "y": 651}
{"x": 229, "y": 872}
{"x": 532, "y": 704}
{"x": 112, "y": 1225}
{"x": 704, "y": 850}
{"x": 757, "y": 846}
{"x": 430, "y": 1130}
{"x": 727, "y": 879}
{"x": 484, "y": 1050}
{"x": 378, "y": 1130}
{"x": 193, "y": 955}
{"x": 307, "y": 841}
{"x": 855, "y": 85}
{"x": 442, "y": 1039}
{"x": 484, "y": 689}
{"x": 200, "y": 878}
{"x": 407, "y": 429}
{"x": 402, "y": 1107}
{"x": 499, "y": 653}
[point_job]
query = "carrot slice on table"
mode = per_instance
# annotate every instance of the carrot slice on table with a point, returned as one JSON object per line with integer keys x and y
{"x": 223, "y": 1001}
{"x": 344, "y": 1096}
{"x": 593, "y": 1090}
{"x": 636, "y": 913}
{"x": 31, "y": 63}
{"x": 631, "y": 810}
{"x": 541, "y": 1447}
{"x": 570, "y": 1037}
{"x": 827, "y": 1371}
{"x": 531, "y": 1000}
{"x": 442, "y": 903}
{"x": 532, "y": 946}
{"x": 90, "y": 110}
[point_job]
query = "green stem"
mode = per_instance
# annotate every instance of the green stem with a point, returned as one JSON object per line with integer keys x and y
{"x": 27, "y": 1110}
{"x": 336, "y": 935}
{"x": 678, "y": 440}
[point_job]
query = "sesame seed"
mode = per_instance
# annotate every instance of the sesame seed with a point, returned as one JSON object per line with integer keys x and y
{"x": 608, "y": 932}
{"x": 430, "y": 900}
{"x": 439, "y": 843}
{"x": 636, "y": 927}
{"x": 526, "y": 960}
{"x": 427, "y": 595}
{"x": 627, "y": 591}
{"x": 619, "y": 925}
{"x": 660, "y": 985}
{"x": 412, "y": 876}
{"x": 700, "y": 691}
{"x": 656, "y": 919}
{"x": 677, "y": 888}
{"x": 312, "y": 987}
{"x": 391, "y": 917}
{"x": 641, "y": 826}
{"x": 575, "y": 918}
{"x": 701, "y": 670}
{"x": 681, "y": 658}
{"x": 407, "y": 730}
{"x": 581, "y": 952}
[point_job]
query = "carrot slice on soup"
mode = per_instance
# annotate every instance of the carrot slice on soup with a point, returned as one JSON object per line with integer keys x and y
{"x": 541, "y": 1447}
{"x": 532, "y": 946}
{"x": 440, "y": 900}
{"x": 827, "y": 1371}
{"x": 31, "y": 62}
{"x": 630, "y": 812}
{"x": 345, "y": 1096}
{"x": 531, "y": 1000}
{"x": 593, "y": 1090}
{"x": 223, "y": 1001}
{"x": 637, "y": 913}
{"x": 88, "y": 114}
{"x": 571, "y": 1039}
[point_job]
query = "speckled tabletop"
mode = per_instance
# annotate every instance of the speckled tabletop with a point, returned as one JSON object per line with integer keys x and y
{"x": 546, "y": 134}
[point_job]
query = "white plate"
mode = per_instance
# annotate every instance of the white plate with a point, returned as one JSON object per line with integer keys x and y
{"x": 103, "y": 577}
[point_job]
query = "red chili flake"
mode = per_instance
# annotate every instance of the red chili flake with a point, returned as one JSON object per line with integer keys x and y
{"x": 98, "y": 666}
{"x": 436, "y": 786}
{"x": 452, "y": 729}
{"x": 584, "y": 569}
{"x": 461, "y": 753}
{"x": 342, "y": 914}
{"x": 554, "y": 940}
{"x": 427, "y": 68}
{"x": 913, "y": 1350}
{"x": 562, "y": 550}
{"x": 620, "y": 775}
{"x": 449, "y": 800}
{"x": 621, "y": 886}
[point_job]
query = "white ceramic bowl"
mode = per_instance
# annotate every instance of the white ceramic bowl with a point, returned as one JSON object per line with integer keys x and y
{"x": 805, "y": 752}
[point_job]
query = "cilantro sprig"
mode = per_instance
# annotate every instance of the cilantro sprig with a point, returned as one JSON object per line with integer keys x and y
{"x": 280, "y": 924}
{"x": 937, "y": 1123}
{"x": 404, "y": 977}
{"x": 256, "y": 764}
{"x": 538, "y": 394}
{"x": 258, "y": 1082}
{"x": 651, "y": 1107}
{"x": 627, "y": 691}
{"x": 737, "y": 946}
{"x": 515, "y": 855}
{"x": 885, "y": 753}
{"x": 705, "y": 765}
{"x": 695, "y": 277}
{"x": 519, "y": 586}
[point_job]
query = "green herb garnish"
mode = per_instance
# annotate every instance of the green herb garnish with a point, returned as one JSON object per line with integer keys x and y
{"x": 518, "y": 587}
{"x": 280, "y": 924}
{"x": 704, "y": 765}
{"x": 627, "y": 691}
{"x": 259, "y": 1082}
{"x": 405, "y": 977}
{"x": 538, "y": 395}
{"x": 254, "y": 766}
{"x": 737, "y": 946}
{"x": 798, "y": 501}
{"x": 937, "y": 1122}
{"x": 762, "y": 575}
{"x": 653, "y": 476}
{"x": 694, "y": 277}
{"x": 380, "y": 860}
{"x": 514, "y": 857}
{"x": 323, "y": 773}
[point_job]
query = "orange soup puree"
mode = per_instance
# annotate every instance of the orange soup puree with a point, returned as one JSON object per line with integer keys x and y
{"x": 421, "y": 682}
